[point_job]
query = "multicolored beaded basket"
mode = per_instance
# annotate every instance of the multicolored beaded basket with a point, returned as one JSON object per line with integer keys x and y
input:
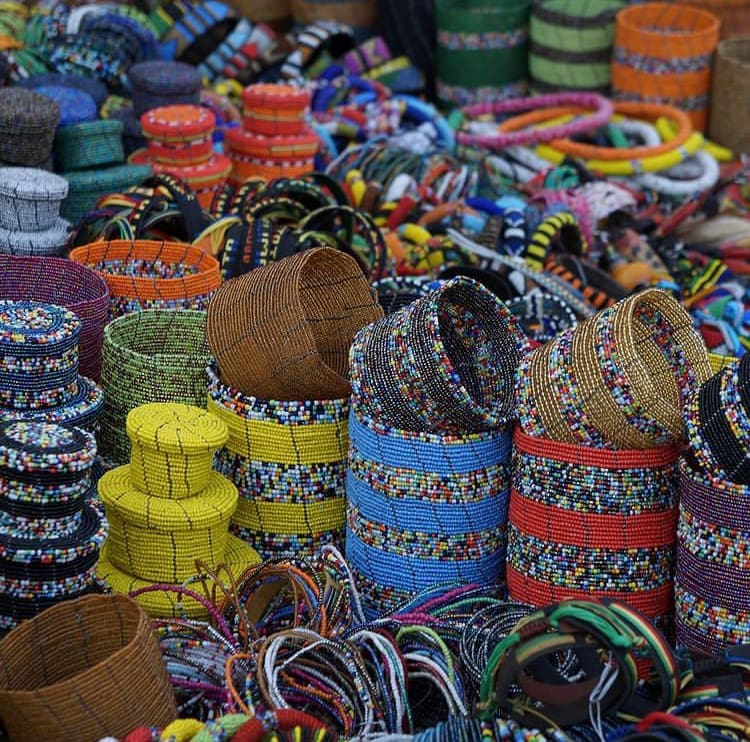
{"x": 586, "y": 522}
{"x": 157, "y": 355}
{"x": 146, "y": 274}
{"x": 616, "y": 380}
{"x": 49, "y": 536}
{"x": 712, "y": 587}
{"x": 287, "y": 459}
{"x": 446, "y": 362}
{"x": 424, "y": 508}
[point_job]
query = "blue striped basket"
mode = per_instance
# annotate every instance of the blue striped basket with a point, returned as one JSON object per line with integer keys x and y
{"x": 423, "y": 509}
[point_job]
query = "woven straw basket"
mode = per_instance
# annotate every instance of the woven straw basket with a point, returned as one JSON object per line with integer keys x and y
{"x": 85, "y": 669}
{"x": 730, "y": 94}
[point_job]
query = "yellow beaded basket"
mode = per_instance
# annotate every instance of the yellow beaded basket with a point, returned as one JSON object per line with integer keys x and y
{"x": 159, "y": 539}
{"x": 168, "y": 603}
{"x": 172, "y": 448}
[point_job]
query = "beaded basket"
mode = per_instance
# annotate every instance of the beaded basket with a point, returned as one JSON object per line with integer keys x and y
{"x": 173, "y": 448}
{"x": 587, "y": 523}
{"x": 617, "y": 380}
{"x": 30, "y": 199}
{"x": 89, "y": 145}
{"x": 422, "y": 509}
{"x": 287, "y": 460}
{"x": 712, "y": 587}
{"x": 663, "y": 54}
{"x": 283, "y": 331}
{"x": 482, "y": 50}
{"x": 571, "y": 45}
{"x": 49, "y": 536}
{"x": 91, "y": 667}
{"x": 157, "y": 355}
{"x": 145, "y": 274}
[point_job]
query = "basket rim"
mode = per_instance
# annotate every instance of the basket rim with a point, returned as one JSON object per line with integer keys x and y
{"x": 128, "y": 603}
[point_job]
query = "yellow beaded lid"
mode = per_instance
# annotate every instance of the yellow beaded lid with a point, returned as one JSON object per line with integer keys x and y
{"x": 216, "y": 503}
{"x": 177, "y": 428}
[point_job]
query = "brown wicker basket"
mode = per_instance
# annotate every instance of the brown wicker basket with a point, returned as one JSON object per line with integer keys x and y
{"x": 730, "y": 95}
{"x": 733, "y": 14}
{"x": 83, "y": 670}
{"x": 283, "y": 331}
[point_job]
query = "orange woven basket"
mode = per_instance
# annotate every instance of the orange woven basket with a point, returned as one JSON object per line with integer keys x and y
{"x": 83, "y": 670}
{"x": 663, "y": 54}
{"x": 147, "y": 274}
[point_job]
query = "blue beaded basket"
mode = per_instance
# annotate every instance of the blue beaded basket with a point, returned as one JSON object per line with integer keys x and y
{"x": 424, "y": 509}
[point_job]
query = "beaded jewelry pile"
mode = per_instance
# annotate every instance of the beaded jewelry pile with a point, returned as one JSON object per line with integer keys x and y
{"x": 167, "y": 509}
{"x": 39, "y": 377}
{"x": 49, "y": 533}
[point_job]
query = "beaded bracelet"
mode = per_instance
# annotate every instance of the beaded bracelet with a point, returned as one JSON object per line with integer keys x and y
{"x": 670, "y": 186}
{"x": 603, "y": 111}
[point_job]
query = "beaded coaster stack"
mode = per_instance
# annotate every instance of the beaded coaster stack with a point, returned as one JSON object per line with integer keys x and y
{"x": 30, "y": 222}
{"x": 275, "y": 140}
{"x": 49, "y": 536}
{"x": 288, "y": 461}
{"x": 712, "y": 591}
{"x": 180, "y": 142}
{"x": 427, "y": 483}
{"x": 39, "y": 377}
{"x": 167, "y": 508}
{"x": 593, "y": 523}
{"x": 156, "y": 355}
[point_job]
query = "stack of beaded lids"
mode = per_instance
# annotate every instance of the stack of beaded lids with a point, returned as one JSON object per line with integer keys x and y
{"x": 275, "y": 140}
{"x": 49, "y": 535}
{"x": 180, "y": 142}
{"x": 30, "y": 222}
{"x": 39, "y": 377}
{"x": 27, "y": 127}
{"x": 712, "y": 590}
{"x": 167, "y": 508}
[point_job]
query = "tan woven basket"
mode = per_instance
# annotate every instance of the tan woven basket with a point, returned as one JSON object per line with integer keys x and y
{"x": 83, "y": 670}
{"x": 283, "y": 331}
{"x": 730, "y": 95}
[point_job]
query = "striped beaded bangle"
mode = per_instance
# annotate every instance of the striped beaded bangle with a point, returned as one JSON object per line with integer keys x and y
{"x": 603, "y": 111}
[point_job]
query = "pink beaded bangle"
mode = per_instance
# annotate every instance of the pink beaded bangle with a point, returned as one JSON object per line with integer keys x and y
{"x": 601, "y": 114}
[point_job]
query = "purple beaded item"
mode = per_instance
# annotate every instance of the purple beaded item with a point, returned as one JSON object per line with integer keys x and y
{"x": 74, "y": 286}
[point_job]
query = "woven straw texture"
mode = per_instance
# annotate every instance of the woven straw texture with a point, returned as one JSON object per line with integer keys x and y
{"x": 424, "y": 509}
{"x": 618, "y": 379}
{"x": 730, "y": 93}
{"x": 287, "y": 460}
{"x": 283, "y": 331}
{"x": 712, "y": 590}
{"x": 146, "y": 274}
{"x": 83, "y": 670}
{"x": 159, "y": 538}
{"x": 587, "y": 523}
{"x": 151, "y": 356}
{"x": 446, "y": 362}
